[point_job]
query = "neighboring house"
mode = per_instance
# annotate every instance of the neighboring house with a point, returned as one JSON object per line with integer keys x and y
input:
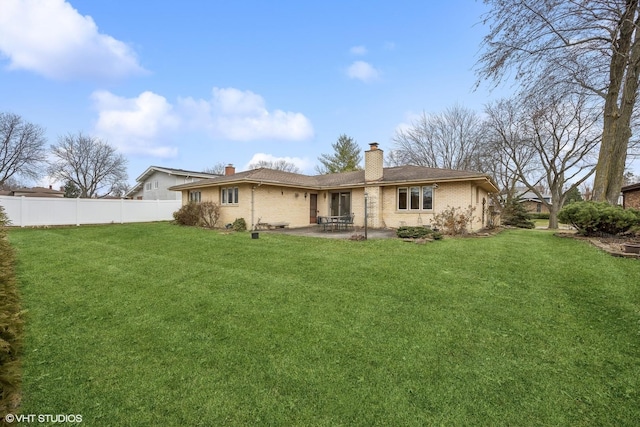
{"x": 154, "y": 183}
{"x": 532, "y": 203}
{"x": 631, "y": 196}
{"x": 402, "y": 195}
{"x": 34, "y": 192}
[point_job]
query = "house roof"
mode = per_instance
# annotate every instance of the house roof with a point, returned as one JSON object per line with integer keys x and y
{"x": 37, "y": 192}
{"x": 391, "y": 176}
{"x": 172, "y": 171}
{"x": 530, "y": 196}
{"x": 631, "y": 187}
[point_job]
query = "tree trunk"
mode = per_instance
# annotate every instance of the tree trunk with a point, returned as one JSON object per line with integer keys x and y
{"x": 557, "y": 201}
{"x": 612, "y": 158}
{"x": 553, "y": 216}
{"x": 618, "y": 108}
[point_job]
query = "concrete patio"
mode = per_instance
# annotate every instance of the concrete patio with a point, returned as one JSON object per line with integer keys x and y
{"x": 317, "y": 231}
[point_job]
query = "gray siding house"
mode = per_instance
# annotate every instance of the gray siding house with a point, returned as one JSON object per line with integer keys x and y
{"x": 154, "y": 183}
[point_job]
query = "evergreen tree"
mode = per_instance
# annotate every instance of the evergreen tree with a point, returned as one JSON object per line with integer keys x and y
{"x": 71, "y": 190}
{"x": 573, "y": 195}
{"x": 346, "y": 157}
{"x": 515, "y": 214}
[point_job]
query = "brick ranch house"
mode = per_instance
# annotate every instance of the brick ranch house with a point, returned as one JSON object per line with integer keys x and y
{"x": 402, "y": 195}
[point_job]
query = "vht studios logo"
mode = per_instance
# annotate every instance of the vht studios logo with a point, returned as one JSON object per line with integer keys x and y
{"x": 43, "y": 418}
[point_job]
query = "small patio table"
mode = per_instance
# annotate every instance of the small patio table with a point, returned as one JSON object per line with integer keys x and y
{"x": 335, "y": 222}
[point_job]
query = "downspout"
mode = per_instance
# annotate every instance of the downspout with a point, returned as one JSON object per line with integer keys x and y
{"x": 253, "y": 192}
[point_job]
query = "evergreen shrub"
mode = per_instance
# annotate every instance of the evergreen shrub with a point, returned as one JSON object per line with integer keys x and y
{"x": 11, "y": 324}
{"x": 514, "y": 214}
{"x": 239, "y": 225}
{"x": 406, "y": 232}
{"x": 597, "y": 218}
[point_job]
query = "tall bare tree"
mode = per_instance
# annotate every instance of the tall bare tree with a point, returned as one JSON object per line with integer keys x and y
{"x": 90, "y": 164}
{"x": 507, "y": 146}
{"x": 554, "y": 145}
{"x": 568, "y": 46}
{"x": 22, "y": 148}
{"x": 451, "y": 140}
{"x": 281, "y": 165}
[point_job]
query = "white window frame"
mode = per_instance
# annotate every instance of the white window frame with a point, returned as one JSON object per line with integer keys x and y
{"x": 147, "y": 186}
{"x": 229, "y": 196}
{"x": 195, "y": 196}
{"x": 413, "y": 204}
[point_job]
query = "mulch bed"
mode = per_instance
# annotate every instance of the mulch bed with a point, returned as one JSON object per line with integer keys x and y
{"x": 613, "y": 245}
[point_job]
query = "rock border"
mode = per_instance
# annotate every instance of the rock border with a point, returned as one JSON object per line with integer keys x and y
{"x": 613, "y": 249}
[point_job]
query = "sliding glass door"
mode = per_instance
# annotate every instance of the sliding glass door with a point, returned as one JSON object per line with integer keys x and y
{"x": 340, "y": 204}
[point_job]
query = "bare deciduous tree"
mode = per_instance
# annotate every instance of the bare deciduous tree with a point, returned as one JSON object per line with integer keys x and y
{"x": 505, "y": 123}
{"x": 630, "y": 178}
{"x": 558, "y": 149}
{"x": 90, "y": 163}
{"x": 563, "y": 47}
{"x": 281, "y": 165}
{"x": 450, "y": 140}
{"x": 217, "y": 169}
{"x": 22, "y": 148}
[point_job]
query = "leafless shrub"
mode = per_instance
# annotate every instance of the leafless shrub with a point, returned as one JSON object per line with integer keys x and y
{"x": 209, "y": 214}
{"x": 453, "y": 221}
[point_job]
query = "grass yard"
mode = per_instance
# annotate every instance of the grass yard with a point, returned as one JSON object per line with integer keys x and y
{"x": 541, "y": 223}
{"x": 155, "y": 324}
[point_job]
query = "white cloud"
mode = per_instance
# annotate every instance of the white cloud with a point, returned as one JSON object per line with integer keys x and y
{"x": 363, "y": 71}
{"x": 242, "y": 116}
{"x": 135, "y": 125}
{"x": 410, "y": 118}
{"x": 147, "y": 124}
{"x": 358, "y": 50}
{"x": 302, "y": 164}
{"x": 51, "y": 38}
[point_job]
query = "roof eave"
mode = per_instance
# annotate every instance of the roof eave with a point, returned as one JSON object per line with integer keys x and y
{"x": 482, "y": 180}
{"x": 199, "y": 184}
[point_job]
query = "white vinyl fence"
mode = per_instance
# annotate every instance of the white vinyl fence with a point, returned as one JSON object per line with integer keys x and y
{"x": 40, "y": 211}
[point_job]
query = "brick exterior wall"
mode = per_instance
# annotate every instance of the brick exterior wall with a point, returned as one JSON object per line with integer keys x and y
{"x": 632, "y": 199}
{"x": 280, "y": 204}
{"x": 532, "y": 207}
{"x": 373, "y": 164}
{"x": 270, "y": 204}
{"x": 457, "y": 195}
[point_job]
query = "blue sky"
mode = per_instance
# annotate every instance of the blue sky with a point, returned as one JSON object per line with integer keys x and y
{"x": 193, "y": 83}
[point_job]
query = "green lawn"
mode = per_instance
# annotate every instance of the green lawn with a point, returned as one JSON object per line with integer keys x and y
{"x": 155, "y": 324}
{"x": 544, "y": 223}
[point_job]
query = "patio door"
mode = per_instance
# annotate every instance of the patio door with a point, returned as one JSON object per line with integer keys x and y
{"x": 313, "y": 208}
{"x": 340, "y": 204}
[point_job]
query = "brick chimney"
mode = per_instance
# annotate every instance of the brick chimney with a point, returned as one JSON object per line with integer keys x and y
{"x": 373, "y": 163}
{"x": 229, "y": 169}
